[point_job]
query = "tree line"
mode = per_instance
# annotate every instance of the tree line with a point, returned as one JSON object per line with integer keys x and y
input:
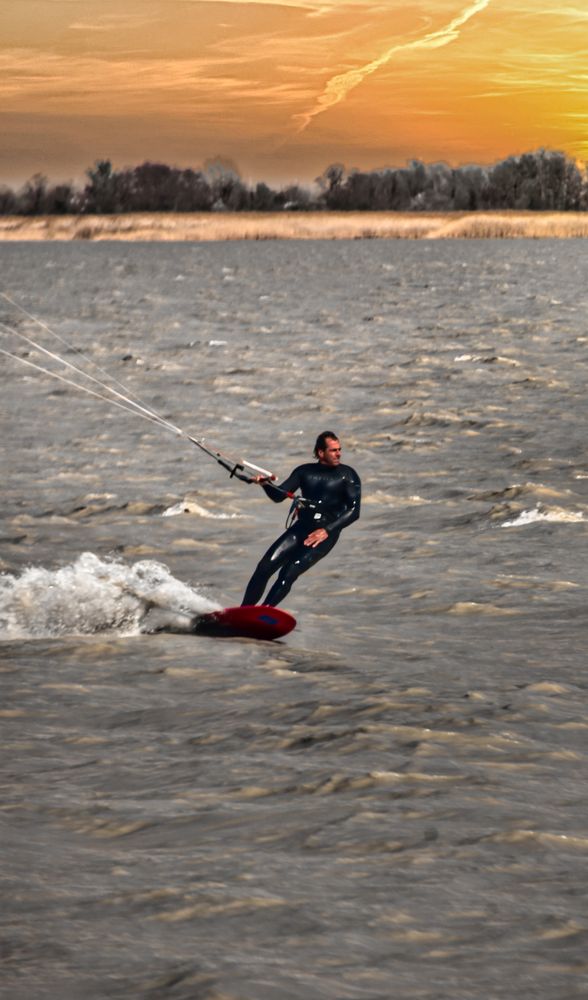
{"x": 543, "y": 180}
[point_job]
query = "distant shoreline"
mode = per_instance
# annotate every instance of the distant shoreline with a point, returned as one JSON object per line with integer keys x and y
{"x": 327, "y": 225}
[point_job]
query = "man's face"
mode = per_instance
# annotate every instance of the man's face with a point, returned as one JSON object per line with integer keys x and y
{"x": 331, "y": 454}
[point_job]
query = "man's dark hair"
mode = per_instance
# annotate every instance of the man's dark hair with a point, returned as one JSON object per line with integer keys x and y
{"x": 321, "y": 441}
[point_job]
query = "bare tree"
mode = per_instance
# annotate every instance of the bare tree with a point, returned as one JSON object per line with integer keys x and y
{"x": 101, "y": 194}
{"x": 31, "y": 200}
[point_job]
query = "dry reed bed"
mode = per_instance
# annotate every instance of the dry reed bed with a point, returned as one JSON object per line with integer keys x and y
{"x": 297, "y": 226}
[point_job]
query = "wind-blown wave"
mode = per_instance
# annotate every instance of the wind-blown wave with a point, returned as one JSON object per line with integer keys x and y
{"x": 93, "y": 595}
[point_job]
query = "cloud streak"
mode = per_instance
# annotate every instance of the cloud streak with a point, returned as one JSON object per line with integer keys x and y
{"x": 90, "y": 84}
{"x": 112, "y": 22}
{"x": 338, "y": 87}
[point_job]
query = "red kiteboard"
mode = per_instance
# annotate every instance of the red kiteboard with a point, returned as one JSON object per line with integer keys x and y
{"x": 251, "y": 621}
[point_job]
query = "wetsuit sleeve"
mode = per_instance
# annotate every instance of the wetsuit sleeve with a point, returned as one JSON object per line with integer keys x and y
{"x": 352, "y": 504}
{"x": 289, "y": 485}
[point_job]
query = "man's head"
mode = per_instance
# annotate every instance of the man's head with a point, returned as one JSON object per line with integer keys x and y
{"x": 328, "y": 448}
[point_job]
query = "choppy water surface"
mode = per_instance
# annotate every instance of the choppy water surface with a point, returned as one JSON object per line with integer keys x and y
{"x": 390, "y": 803}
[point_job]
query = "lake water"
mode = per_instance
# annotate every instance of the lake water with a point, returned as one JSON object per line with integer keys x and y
{"x": 390, "y": 802}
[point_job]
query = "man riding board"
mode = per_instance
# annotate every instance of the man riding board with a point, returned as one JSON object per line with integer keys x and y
{"x": 330, "y": 497}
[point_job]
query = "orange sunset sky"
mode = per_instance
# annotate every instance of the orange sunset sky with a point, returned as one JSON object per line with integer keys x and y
{"x": 284, "y": 88}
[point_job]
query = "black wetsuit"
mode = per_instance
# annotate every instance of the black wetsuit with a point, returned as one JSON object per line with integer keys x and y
{"x": 334, "y": 495}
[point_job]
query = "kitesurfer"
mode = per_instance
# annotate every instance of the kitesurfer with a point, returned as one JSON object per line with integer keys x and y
{"x": 329, "y": 500}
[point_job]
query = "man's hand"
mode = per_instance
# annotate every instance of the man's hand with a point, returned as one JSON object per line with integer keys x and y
{"x": 316, "y": 537}
{"x": 262, "y": 479}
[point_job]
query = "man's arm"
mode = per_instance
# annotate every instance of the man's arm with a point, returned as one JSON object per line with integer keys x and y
{"x": 280, "y": 493}
{"x": 349, "y": 515}
{"x": 352, "y": 503}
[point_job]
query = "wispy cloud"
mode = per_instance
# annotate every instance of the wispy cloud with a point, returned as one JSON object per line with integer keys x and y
{"x": 112, "y": 22}
{"x": 91, "y": 84}
{"x": 338, "y": 87}
{"x": 315, "y": 7}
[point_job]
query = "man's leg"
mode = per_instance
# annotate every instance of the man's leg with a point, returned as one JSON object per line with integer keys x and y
{"x": 301, "y": 560}
{"x": 275, "y": 557}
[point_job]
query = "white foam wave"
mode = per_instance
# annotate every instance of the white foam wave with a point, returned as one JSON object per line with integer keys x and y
{"x": 94, "y": 595}
{"x": 488, "y": 359}
{"x": 191, "y": 507}
{"x": 556, "y": 515}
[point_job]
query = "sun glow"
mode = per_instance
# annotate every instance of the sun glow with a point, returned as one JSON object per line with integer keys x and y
{"x": 284, "y": 88}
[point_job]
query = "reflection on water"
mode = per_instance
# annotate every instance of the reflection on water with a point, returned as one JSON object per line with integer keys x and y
{"x": 390, "y": 801}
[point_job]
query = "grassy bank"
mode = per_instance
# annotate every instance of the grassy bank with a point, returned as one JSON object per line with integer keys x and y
{"x": 294, "y": 225}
